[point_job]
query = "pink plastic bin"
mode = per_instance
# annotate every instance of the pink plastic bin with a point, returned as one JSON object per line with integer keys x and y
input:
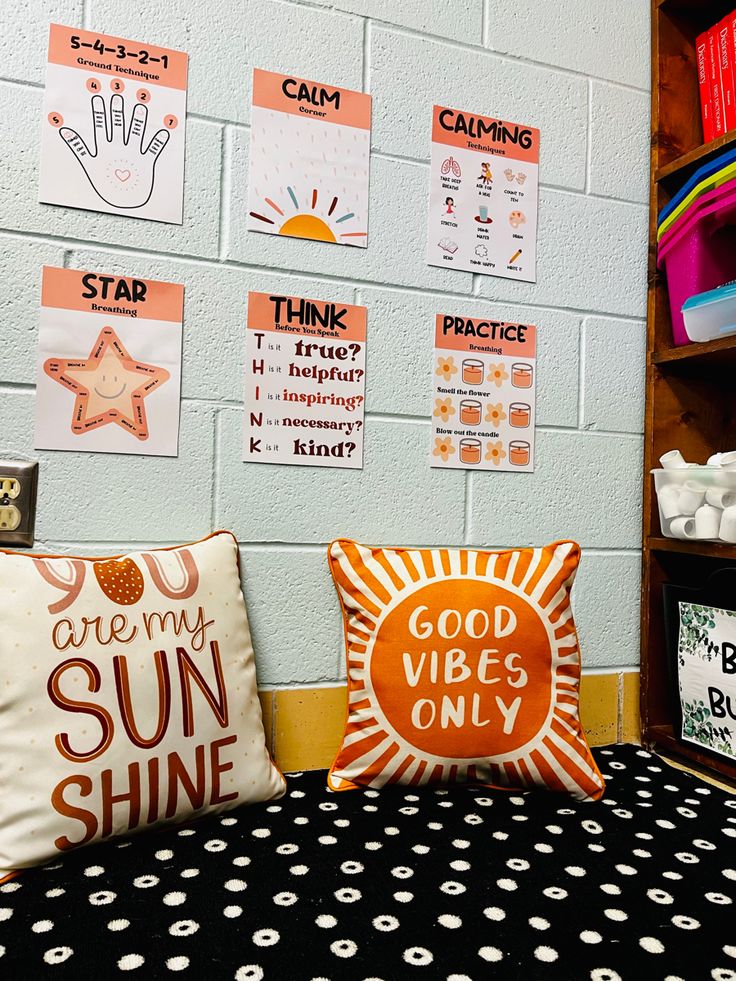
{"x": 699, "y": 252}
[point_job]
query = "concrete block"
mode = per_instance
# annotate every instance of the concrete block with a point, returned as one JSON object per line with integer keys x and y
{"x": 619, "y": 142}
{"x": 613, "y": 375}
{"x": 605, "y": 40}
{"x": 586, "y": 487}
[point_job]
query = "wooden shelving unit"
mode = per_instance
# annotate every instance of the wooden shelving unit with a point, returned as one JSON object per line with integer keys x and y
{"x": 690, "y": 390}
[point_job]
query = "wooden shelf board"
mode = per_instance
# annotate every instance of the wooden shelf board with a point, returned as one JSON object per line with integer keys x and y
{"x": 697, "y": 155}
{"x": 713, "y": 550}
{"x": 708, "y": 350}
{"x": 663, "y": 735}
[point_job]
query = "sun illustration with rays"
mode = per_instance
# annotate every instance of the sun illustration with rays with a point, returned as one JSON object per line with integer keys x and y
{"x": 308, "y": 224}
{"x": 463, "y": 666}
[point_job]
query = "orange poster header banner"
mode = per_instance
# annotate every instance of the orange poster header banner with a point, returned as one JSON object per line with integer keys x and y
{"x": 93, "y": 52}
{"x": 117, "y": 296}
{"x": 485, "y": 336}
{"x": 485, "y": 134}
{"x": 297, "y": 315}
{"x": 313, "y": 100}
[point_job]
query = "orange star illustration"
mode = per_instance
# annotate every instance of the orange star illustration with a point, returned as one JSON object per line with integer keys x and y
{"x": 109, "y": 386}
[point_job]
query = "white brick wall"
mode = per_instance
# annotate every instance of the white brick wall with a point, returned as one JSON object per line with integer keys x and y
{"x": 580, "y": 72}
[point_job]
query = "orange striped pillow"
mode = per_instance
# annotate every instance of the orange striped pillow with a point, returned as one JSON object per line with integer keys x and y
{"x": 463, "y": 666}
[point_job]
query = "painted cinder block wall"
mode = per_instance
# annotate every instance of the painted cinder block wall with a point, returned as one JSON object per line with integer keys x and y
{"x": 577, "y": 70}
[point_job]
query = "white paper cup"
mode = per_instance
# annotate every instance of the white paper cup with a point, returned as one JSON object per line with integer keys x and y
{"x": 672, "y": 460}
{"x": 683, "y": 527}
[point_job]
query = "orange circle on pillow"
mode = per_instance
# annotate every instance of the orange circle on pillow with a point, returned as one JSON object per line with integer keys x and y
{"x": 463, "y": 669}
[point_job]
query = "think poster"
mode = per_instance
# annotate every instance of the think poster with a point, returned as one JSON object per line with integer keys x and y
{"x": 304, "y": 382}
{"x": 309, "y": 156}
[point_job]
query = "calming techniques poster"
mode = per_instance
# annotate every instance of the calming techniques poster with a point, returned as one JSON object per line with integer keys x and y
{"x": 309, "y": 160}
{"x": 109, "y": 363}
{"x": 113, "y": 126}
{"x": 483, "y": 195}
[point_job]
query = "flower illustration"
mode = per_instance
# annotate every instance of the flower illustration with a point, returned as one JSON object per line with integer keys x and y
{"x": 443, "y": 447}
{"x": 496, "y": 453}
{"x": 495, "y": 414}
{"x": 444, "y": 409}
{"x": 446, "y": 367}
{"x": 497, "y": 374}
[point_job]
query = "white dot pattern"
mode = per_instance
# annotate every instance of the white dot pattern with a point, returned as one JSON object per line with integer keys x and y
{"x": 384, "y": 884}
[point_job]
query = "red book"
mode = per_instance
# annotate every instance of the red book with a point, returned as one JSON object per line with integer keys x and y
{"x": 719, "y": 125}
{"x": 725, "y": 64}
{"x": 706, "y": 107}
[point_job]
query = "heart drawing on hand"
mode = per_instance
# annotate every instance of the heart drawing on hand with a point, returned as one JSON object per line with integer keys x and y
{"x": 119, "y": 166}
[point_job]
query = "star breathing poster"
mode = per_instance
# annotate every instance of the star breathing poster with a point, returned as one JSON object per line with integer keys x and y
{"x": 109, "y": 363}
{"x": 309, "y": 157}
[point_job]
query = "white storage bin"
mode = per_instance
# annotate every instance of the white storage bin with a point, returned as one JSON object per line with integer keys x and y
{"x": 711, "y": 315}
{"x": 697, "y": 503}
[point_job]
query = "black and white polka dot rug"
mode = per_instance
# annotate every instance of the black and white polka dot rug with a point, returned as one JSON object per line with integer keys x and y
{"x": 450, "y": 884}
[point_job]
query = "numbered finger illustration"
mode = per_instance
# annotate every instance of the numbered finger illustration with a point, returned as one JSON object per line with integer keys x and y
{"x": 120, "y": 108}
{"x": 121, "y": 164}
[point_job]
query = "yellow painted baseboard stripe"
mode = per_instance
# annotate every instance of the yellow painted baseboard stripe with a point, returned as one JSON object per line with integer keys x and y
{"x": 304, "y": 726}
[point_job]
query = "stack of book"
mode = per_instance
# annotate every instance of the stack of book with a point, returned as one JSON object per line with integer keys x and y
{"x": 716, "y": 53}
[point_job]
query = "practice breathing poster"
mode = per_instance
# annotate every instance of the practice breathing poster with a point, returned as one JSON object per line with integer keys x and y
{"x": 113, "y": 128}
{"x": 483, "y": 195}
{"x": 309, "y": 160}
{"x": 483, "y": 410}
{"x": 109, "y": 363}
{"x": 304, "y": 382}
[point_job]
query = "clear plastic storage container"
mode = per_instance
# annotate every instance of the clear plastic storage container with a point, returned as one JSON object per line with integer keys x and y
{"x": 697, "y": 503}
{"x": 712, "y": 314}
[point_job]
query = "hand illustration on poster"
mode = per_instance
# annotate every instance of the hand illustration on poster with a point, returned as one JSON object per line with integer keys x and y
{"x": 309, "y": 160}
{"x": 114, "y": 125}
{"x": 481, "y": 218}
{"x": 119, "y": 164}
{"x": 484, "y": 394}
{"x": 304, "y": 382}
{"x": 109, "y": 363}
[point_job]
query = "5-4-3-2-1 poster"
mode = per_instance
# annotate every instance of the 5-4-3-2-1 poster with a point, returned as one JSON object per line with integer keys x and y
{"x": 113, "y": 126}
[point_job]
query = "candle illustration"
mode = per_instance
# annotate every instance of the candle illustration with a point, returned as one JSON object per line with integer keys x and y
{"x": 470, "y": 450}
{"x": 518, "y": 452}
{"x": 470, "y": 412}
{"x": 521, "y": 375}
{"x": 472, "y": 371}
{"x": 520, "y": 415}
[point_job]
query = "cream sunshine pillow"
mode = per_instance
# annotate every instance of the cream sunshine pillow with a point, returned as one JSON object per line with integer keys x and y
{"x": 127, "y": 696}
{"x": 463, "y": 665}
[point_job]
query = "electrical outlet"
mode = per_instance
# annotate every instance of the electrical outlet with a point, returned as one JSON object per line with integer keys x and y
{"x": 18, "y": 485}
